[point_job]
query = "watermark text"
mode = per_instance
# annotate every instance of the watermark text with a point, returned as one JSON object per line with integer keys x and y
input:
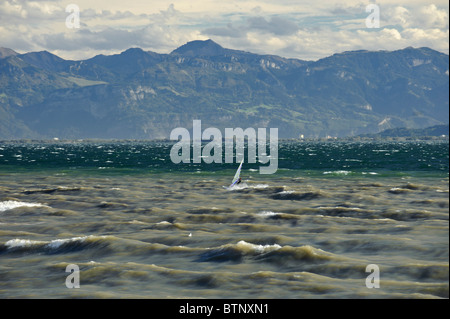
{"x": 213, "y": 151}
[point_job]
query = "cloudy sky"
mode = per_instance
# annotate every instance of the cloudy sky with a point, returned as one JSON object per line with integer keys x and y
{"x": 305, "y": 29}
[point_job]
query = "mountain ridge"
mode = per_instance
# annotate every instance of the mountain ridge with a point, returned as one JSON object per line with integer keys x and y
{"x": 143, "y": 94}
{"x": 432, "y": 131}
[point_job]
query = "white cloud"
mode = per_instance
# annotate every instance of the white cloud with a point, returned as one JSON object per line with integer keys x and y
{"x": 398, "y": 16}
{"x": 308, "y": 29}
{"x": 431, "y": 17}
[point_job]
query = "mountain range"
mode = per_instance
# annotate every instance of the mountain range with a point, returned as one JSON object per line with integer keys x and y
{"x": 141, "y": 94}
{"x": 432, "y": 131}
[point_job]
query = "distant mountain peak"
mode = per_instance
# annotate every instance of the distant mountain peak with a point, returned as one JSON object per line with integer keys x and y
{"x": 41, "y": 55}
{"x": 200, "y": 48}
{"x": 5, "y": 52}
{"x": 44, "y": 60}
{"x": 133, "y": 51}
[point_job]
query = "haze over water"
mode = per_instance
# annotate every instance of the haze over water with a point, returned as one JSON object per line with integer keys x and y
{"x": 139, "y": 226}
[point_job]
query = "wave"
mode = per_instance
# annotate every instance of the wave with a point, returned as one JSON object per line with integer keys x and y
{"x": 209, "y": 210}
{"x": 413, "y": 214}
{"x": 267, "y": 214}
{"x": 267, "y": 253}
{"x": 280, "y": 192}
{"x": 100, "y": 245}
{"x": 247, "y": 187}
{"x": 58, "y": 189}
{"x": 345, "y": 173}
{"x": 339, "y": 172}
{"x": 293, "y": 195}
{"x": 399, "y": 190}
{"x": 235, "y": 252}
{"x": 55, "y": 246}
{"x": 408, "y": 188}
{"x": 364, "y": 213}
{"x": 11, "y": 204}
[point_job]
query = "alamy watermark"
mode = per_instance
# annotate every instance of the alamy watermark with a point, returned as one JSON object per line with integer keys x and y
{"x": 73, "y": 280}
{"x": 213, "y": 151}
{"x": 373, "y": 280}
{"x": 373, "y": 19}
{"x": 73, "y": 19}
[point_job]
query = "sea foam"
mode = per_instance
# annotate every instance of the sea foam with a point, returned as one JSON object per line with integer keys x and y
{"x": 52, "y": 245}
{"x": 11, "y": 204}
{"x": 247, "y": 247}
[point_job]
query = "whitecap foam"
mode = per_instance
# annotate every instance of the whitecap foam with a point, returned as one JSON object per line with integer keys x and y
{"x": 267, "y": 213}
{"x": 234, "y": 252}
{"x": 286, "y": 192}
{"x": 246, "y": 186}
{"x": 56, "y": 243}
{"x": 260, "y": 249}
{"x": 164, "y": 222}
{"x": 339, "y": 172}
{"x": 258, "y": 186}
{"x": 11, "y": 204}
{"x": 22, "y": 243}
{"x": 238, "y": 187}
{"x": 18, "y": 243}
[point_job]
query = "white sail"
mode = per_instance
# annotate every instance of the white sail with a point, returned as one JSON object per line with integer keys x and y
{"x": 237, "y": 175}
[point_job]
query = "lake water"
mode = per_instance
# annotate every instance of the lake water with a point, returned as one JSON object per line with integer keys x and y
{"x": 138, "y": 226}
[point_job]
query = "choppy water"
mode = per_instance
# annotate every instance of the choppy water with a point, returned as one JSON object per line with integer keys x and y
{"x": 138, "y": 225}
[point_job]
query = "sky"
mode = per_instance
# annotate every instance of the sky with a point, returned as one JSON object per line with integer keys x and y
{"x": 308, "y": 30}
